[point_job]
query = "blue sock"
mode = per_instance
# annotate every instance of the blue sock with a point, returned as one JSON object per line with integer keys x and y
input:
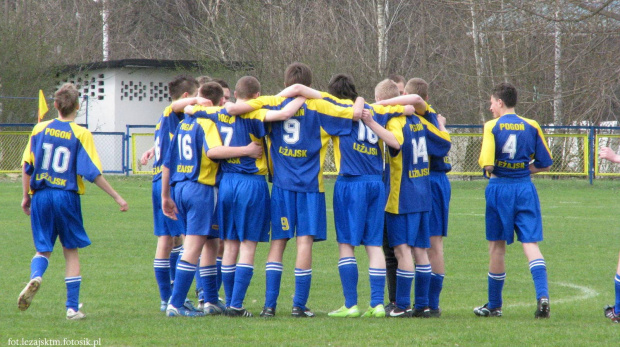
{"x": 208, "y": 276}
{"x": 174, "y": 261}
{"x": 218, "y": 279}
{"x": 162, "y": 276}
{"x": 496, "y": 285}
{"x": 538, "y": 269}
{"x": 38, "y": 265}
{"x": 198, "y": 282}
{"x": 347, "y": 267}
{"x": 183, "y": 280}
{"x": 422, "y": 285}
{"x": 303, "y": 280}
{"x": 273, "y": 276}
{"x": 435, "y": 290}
{"x": 243, "y": 276}
{"x": 403, "y": 288}
{"x": 617, "y": 282}
{"x": 228, "y": 278}
{"x": 377, "y": 286}
{"x": 73, "y": 292}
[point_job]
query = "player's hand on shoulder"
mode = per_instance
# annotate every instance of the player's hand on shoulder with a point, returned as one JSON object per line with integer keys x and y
{"x": 146, "y": 156}
{"x": 366, "y": 115}
{"x": 441, "y": 119}
{"x": 409, "y": 110}
{"x": 26, "y": 204}
{"x": 169, "y": 208}
{"x": 203, "y": 101}
{"x": 254, "y": 150}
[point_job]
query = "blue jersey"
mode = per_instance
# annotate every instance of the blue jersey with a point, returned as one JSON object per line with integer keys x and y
{"x": 164, "y": 130}
{"x": 361, "y": 152}
{"x": 439, "y": 164}
{"x": 409, "y": 166}
{"x": 187, "y": 156}
{"x": 238, "y": 131}
{"x": 298, "y": 145}
{"x": 58, "y": 154}
{"x": 510, "y": 142}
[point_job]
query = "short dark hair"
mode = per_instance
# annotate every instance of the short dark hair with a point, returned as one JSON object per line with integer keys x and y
{"x": 298, "y": 73}
{"x": 212, "y": 91}
{"x": 397, "y": 78}
{"x": 417, "y": 86}
{"x": 221, "y": 82}
{"x": 203, "y": 79}
{"x": 507, "y": 93}
{"x": 181, "y": 84}
{"x": 66, "y": 99}
{"x": 342, "y": 86}
{"x": 247, "y": 86}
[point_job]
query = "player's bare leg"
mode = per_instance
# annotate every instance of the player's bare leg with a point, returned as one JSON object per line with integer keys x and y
{"x": 538, "y": 268}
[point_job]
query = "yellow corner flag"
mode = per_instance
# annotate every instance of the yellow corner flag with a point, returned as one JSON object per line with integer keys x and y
{"x": 42, "y": 105}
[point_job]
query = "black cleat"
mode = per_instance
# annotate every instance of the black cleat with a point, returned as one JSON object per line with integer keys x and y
{"x": 237, "y": 312}
{"x": 299, "y": 312}
{"x": 400, "y": 313}
{"x": 485, "y": 311}
{"x": 422, "y": 312}
{"x": 611, "y": 314}
{"x": 268, "y": 312}
{"x": 542, "y": 309}
{"x": 436, "y": 313}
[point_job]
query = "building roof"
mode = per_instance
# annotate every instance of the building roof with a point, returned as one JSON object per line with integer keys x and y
{"x": 153, "y": 63}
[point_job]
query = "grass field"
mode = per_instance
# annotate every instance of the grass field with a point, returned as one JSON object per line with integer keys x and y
{"x": 122, "y": 303}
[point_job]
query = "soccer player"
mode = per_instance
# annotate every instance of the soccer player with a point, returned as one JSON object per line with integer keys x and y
{"x": 297, "y": 149}
{"x": 190, "y": 168}
{"x": 57, "y": 157}
{"x": 509, "y": 144}
{"x": 166, "y": 229}
{"x": 412, "y": 140}
{"x": 400, "y": 82}
{"x": 243, "y": 196}
{"x": 441, "y": 191}
{"x": 613, "y": 312}
{"x": 225, "y": 87}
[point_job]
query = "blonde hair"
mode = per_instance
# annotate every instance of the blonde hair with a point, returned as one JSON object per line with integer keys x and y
{"x": 386, "y": 89}
{"x": 417, "y": 86}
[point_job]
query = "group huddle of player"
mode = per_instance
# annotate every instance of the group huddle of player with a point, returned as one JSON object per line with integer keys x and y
{"x": 212, "y": 205}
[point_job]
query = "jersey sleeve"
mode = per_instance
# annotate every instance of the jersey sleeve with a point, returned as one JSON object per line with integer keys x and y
{"x": 334, "y": 119}
{"x": 438, "y": 142}
{"x": 384, "y": 113}
{"x": 212, "y": 137}
{"x": 487, "y": 152}
{"x": 542, "y": 154}
{"x": 208, "y": 112}
{"x": 257, "y": 122}
{"x": 395, "y": 126}
{"x": 267, "y": 101}
{"x": 28, "y": 158}
{"x": 88, "y": 163}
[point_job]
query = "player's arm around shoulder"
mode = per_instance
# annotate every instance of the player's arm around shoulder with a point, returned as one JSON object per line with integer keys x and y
{"x": 387, "y": 135}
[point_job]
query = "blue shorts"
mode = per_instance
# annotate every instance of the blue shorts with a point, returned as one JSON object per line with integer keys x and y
{"x": 243, "y": 207}
{"x": 358, "y": 210}
{"x": 297, "y": 214}
{"x": 57, "y": 213}
{"x": 513, "y": 206}
{"x": 409, "y": 228}
{"x": 196, "y": 205}
{"x": 441, "y": 191}
{"x": 163, "y": 226}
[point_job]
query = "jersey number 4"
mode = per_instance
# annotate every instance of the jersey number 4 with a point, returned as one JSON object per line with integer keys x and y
{"x": 510, "y": 147}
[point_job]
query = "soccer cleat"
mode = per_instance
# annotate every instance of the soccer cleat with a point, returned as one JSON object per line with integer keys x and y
{"x": 182, "y": 311}
{"x": 345, "y": 312}
{"x": 611, "y": 314}
{"x": 25, "y": 297}
{"x": 377, "y": 311}
{"x": 300, "y": 312}
{"x": 214, "y": 309}
{"x": 188, "y": 304}
{"x": 436, "y": 313}
{"x": 398, "y": 312}
{"x": 485, "y": 311}
{"x": 201, "y": 305}
{"x": 422, "y": 312}
{"x": 237, "y": 312}
{"x": 268, "y": 312}
{"x": 162, "y": 306}
{"x": 75, "y": 315}
{"x": 542, "y": 309}
{"x": 389, "y": 307}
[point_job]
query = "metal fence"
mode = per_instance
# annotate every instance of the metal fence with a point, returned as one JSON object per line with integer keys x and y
{"x": 574, "y": 148}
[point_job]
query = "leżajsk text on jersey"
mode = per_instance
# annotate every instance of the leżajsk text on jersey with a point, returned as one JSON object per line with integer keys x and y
{"x": 238, "y": 131}
{"x": 187, "y": 156}
{"x": 164, "y": 130}
{"x": 510, "y": 143}
{"x": 298, "y": 145}
{"x": 437, "y": 163}
{"x": 59, "y": 153}
{"x": 409, "y": 166}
